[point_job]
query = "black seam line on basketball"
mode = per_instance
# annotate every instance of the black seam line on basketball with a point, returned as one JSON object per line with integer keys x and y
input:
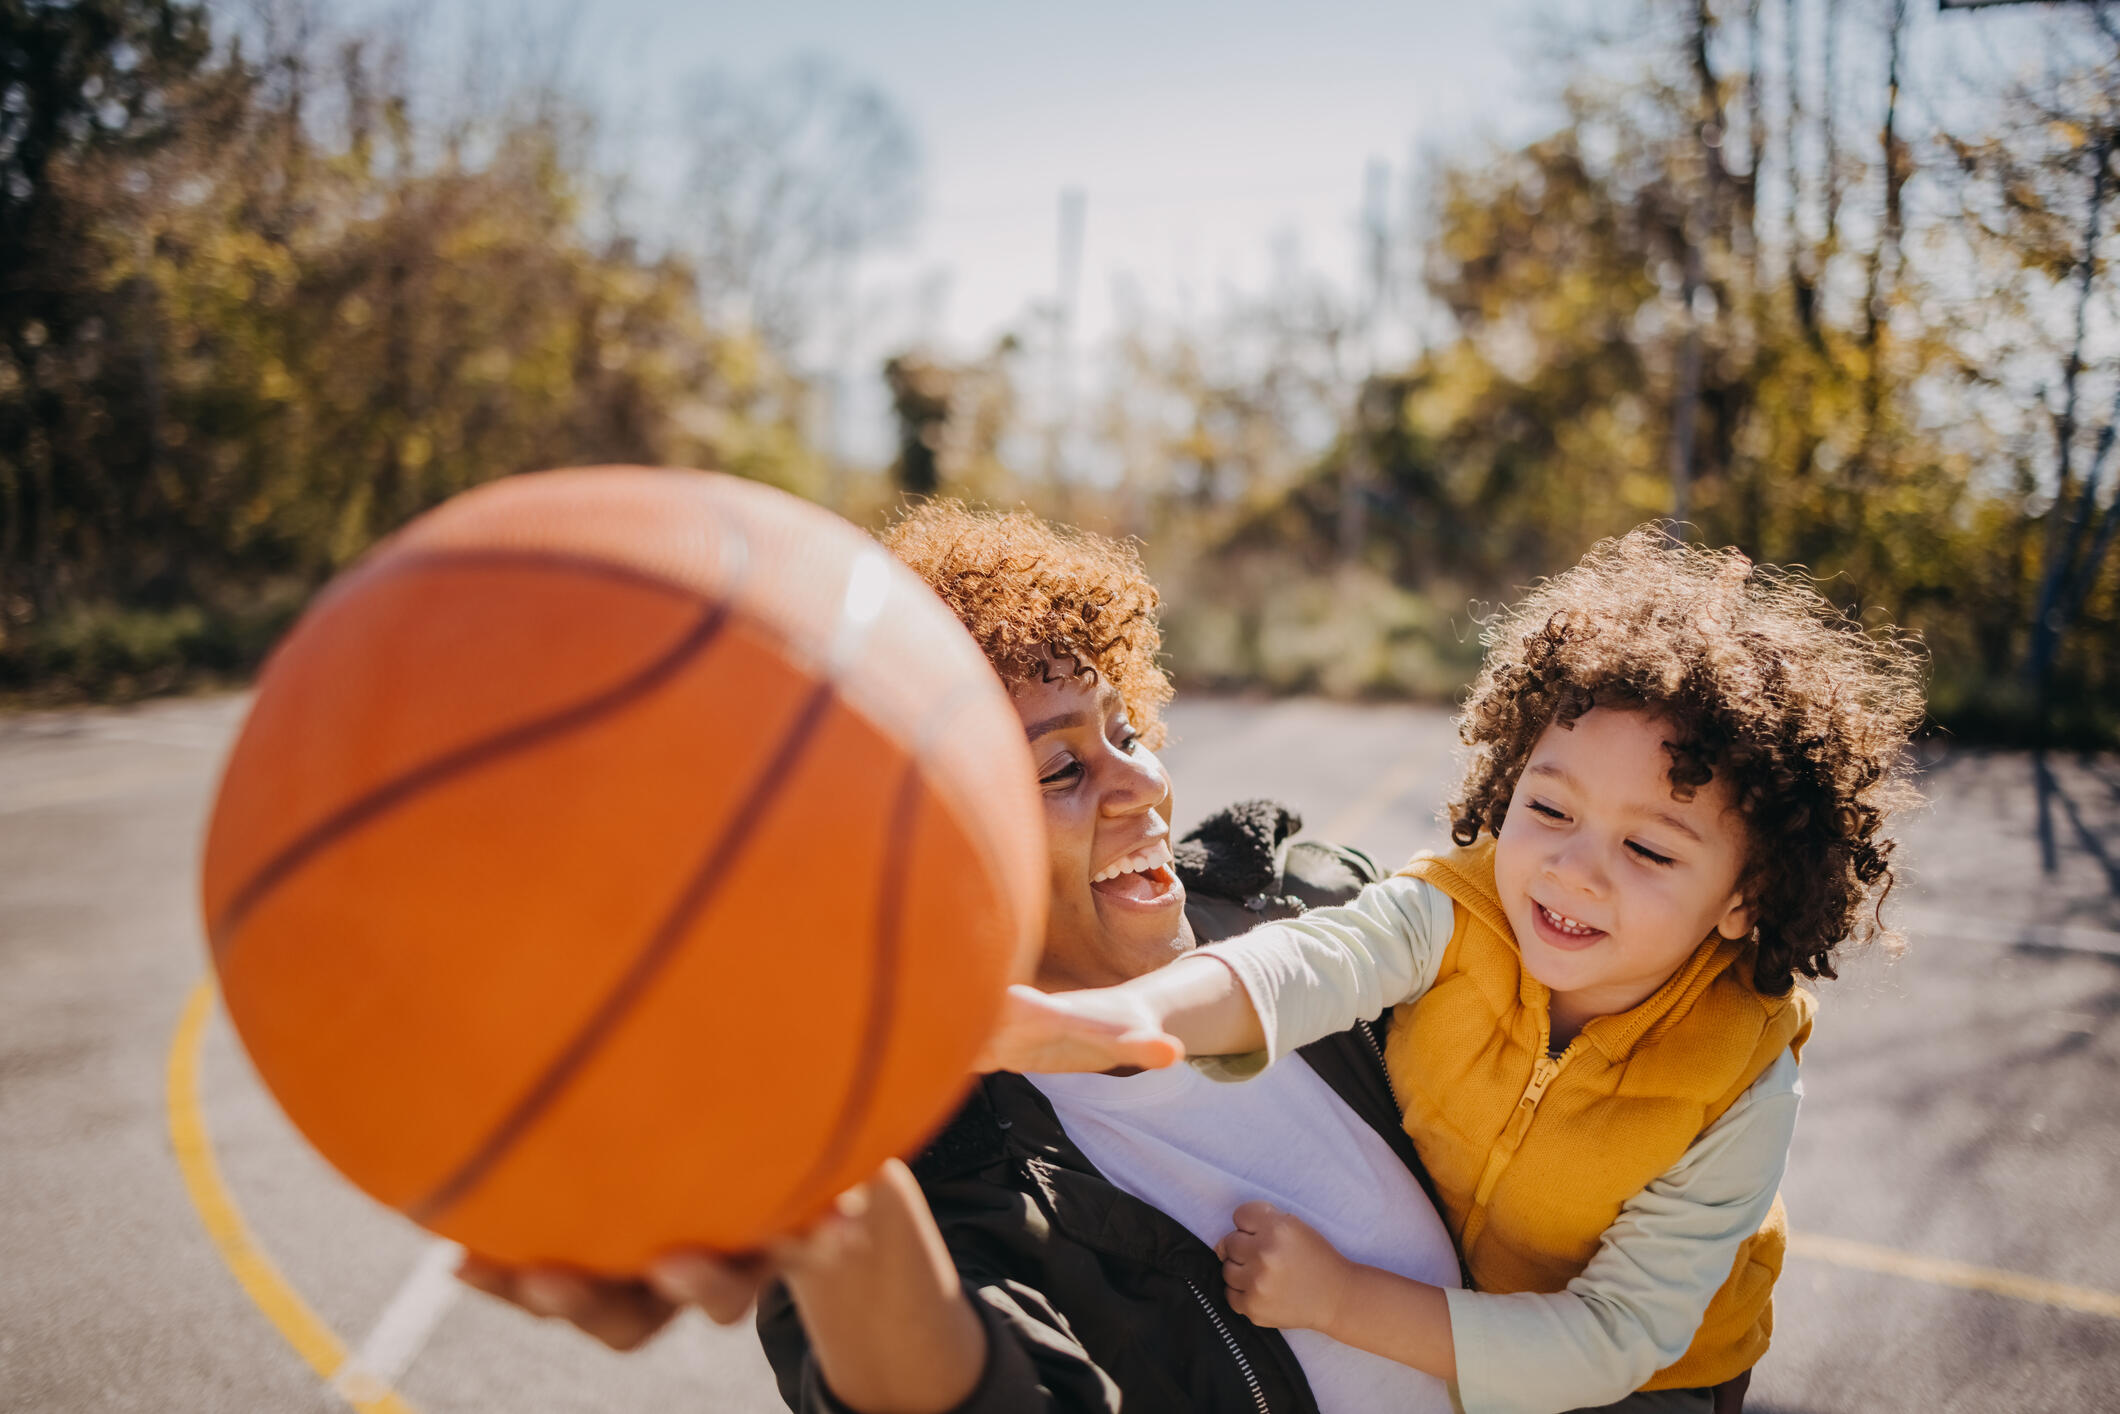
{"x": 494, "y": 557}
{"x": 509, "y": 741}
{"x": 883, "y": 991}
{"x": 508, "y": 558}
{"x": 662, "y": 945}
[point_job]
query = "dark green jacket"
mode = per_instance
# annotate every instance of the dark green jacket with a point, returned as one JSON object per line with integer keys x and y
{"x": 1091, "y": 1298}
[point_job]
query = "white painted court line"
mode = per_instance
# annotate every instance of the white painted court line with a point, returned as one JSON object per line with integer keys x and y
{"x": 402, "y": 1331}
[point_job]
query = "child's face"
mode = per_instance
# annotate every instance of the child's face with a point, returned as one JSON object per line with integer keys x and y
{"x": 1609, "y": 880}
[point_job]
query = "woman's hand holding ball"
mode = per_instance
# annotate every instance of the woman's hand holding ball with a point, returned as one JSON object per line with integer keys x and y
{"x": 877, "y": 1249}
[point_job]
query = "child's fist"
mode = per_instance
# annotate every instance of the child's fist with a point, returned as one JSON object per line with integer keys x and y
{"x": 1280, "y": 1272}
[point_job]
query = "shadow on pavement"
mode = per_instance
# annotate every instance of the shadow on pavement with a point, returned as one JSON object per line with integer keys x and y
{"x": 2050, "y": 793}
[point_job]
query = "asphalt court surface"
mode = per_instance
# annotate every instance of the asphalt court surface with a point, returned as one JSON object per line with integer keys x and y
{"x": 1953, "y": 1183}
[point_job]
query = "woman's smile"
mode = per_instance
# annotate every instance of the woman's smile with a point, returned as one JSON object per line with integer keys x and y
{"x": 1142, "y": 877}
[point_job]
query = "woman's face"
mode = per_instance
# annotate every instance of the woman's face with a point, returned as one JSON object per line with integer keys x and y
{"x": 1117, "y": 908}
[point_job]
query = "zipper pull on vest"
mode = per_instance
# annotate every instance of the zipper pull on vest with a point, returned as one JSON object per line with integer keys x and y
{"x": 1512, "y": 1138}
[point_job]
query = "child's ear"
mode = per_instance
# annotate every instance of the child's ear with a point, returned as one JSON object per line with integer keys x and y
{"x": 1736, "y": 924}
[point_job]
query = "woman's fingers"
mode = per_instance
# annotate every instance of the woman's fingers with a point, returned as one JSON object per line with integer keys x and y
{"x": 490, "y": 1277}
{"x": 621, "y": 1314}
{"x": 724, "y": 1287}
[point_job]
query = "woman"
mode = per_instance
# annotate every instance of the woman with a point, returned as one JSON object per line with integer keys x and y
{"x": 1051, "y": 1249}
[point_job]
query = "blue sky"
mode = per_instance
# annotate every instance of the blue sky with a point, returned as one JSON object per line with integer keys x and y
{"x": 1205, "y": 134}
{"x": 1200, "y": 133}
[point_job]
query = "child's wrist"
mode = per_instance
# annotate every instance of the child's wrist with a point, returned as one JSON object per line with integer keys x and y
{"x": 1156, "y": 998}
{"x": 1343, "y": 1279}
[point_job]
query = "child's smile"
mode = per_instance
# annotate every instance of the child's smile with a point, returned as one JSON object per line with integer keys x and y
{"x": 1610, "y": 881}
{"x": 1563, "y": 932}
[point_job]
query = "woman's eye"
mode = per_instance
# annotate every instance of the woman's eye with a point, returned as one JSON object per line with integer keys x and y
{"x": 1062, "y": 775}
{"x": 1649, "y": 854}
{"x": 1539, "y": 807}
{"x": 1130, "y": 741}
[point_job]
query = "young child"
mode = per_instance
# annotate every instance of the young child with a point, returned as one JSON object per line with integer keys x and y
{"x": 1679, "y": 770}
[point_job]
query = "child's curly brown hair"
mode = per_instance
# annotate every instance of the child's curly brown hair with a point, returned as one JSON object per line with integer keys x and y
{"x": 1043, "y": 598}
{"x": 1805, "y": 714}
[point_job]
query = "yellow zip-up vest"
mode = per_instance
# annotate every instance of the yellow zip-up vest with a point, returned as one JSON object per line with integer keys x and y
{"x": 1532, "y": 1156}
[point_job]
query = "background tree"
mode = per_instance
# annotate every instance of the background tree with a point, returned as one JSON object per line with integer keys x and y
{"x": 261, "y": 311}
{"x": 793, "y": 179}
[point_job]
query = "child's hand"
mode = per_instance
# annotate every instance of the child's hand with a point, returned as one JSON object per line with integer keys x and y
{"x": 1280, "y": 1272}
{"x": 1105, "y": 1028}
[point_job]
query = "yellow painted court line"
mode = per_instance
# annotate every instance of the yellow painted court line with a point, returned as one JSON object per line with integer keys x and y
{"x": 1964, "y": 1275}
{"x": 281, "y": 1304}
{"x": 326, "y": 1354}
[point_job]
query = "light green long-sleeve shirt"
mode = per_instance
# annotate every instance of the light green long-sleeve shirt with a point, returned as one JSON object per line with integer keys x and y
{"x": 1637, "y": 1305}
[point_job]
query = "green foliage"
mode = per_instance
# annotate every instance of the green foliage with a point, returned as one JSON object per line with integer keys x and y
{"x": 1843, "y": 434}
{"x": 236, "y": 349}
{"x": 115, "y": 654}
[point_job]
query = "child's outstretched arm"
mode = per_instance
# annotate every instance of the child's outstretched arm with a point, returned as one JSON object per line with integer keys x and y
{"x": 1195, "y": 1006}
{"x": 1278, "y": 987}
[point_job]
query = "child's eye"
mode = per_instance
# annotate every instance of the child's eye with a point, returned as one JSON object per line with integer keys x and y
{"x": 1540, "y": 807}
{"x": 1062, "y": 775}
{"x": 1649, "y": 854}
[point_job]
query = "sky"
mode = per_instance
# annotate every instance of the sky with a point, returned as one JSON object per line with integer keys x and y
{"x": 1209, "y": 138}
{"x": 1200, "y": 134}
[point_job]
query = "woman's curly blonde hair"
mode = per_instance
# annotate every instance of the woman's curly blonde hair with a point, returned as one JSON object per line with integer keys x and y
{"x": 1043, "y": 600}
{"x": 1764, "y": 683}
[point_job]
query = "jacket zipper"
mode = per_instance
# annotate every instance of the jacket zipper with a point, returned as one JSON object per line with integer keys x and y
{"x": 1390, "y": 1086}
{"x": 1236, "y": 1352}
{"x": 1512, "y": 1138}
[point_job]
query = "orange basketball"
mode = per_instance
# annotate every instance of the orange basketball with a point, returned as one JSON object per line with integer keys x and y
{"x": 619, "y": 859}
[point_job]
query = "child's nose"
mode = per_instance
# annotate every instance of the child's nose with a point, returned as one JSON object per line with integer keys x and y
{"x": 1577, "y": 865}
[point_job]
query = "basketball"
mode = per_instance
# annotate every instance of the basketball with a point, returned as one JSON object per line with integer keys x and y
{"x": 619, "y": 859}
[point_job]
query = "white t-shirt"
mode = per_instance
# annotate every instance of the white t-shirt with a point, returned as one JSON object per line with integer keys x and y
{"x": 1197, "y": 1148}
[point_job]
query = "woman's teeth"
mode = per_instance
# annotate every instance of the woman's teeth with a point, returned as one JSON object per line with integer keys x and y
{"x": 1566, "y": 924}
{"x": 1154, "y": 856}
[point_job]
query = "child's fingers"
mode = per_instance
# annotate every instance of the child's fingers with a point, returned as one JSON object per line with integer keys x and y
{"x": 1083, "y": 1031}
{"x": 1150, "y": 1049}
{"x": 1254, "y": 1216}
